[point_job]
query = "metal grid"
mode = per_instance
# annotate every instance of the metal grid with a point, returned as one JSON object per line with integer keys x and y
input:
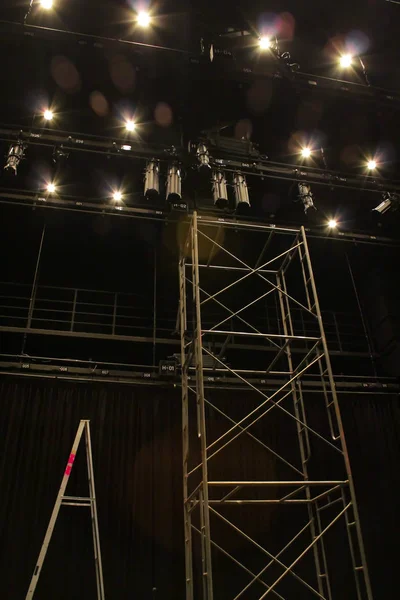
{"x": 305, "y": 469}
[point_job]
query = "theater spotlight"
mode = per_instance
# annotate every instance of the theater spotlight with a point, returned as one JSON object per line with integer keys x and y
{"x": 203, "y": 156}
{"x": 371, "y": 165}
{"x": 306, "y": 152}
{"x": 241, "y": 192}
{"x": 174, "y": 184}
{"x": 59, "y": 155}
{"x": 130, "y": 125}
{"x": 332, "y": 224}
{"x": 152, "y": 179}
{"x": 389, "y": 201}
{"x": 264, "y": 43}
{"x": 51, "y": 188}
{"x": 15, "y": 155}
{"x": 48, "y": 115}
{"x": 220, "y": 190}
{"x": 117, "y": 196}
{"x": 143, "y": 19}
{"x": 345, "y": 61}
{"x": 305, "y": 195}
{"x": 47, "y": 4}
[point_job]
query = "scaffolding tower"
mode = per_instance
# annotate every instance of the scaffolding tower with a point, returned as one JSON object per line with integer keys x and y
{"x": 267, "y": 480}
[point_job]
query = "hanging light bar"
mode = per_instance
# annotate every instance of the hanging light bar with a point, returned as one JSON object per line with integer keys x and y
{"x": 174, "y": 184}
{"x": 219, "y": 188}
{"x": 241, "y": 192}
{"x": 152, "y": 179}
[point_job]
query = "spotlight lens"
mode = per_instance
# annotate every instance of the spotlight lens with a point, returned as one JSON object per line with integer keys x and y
{"x": 332, "y": 224}
{"x": 264, "y": 43}
{"x": 48, "y": 115}
{"x": 143, "y": 19}
{"x": 51, "y": 188}
{"x": 346, "y": 61}
{"x": 306, "y": 152}
{"x": 117, "y": 196}
{"x": 46, "y": 3}
{"x": 130, "y": 125}
{"x": 371, "y": 165}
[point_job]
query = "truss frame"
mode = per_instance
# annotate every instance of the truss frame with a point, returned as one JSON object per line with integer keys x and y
{"x": 315, "y": 495}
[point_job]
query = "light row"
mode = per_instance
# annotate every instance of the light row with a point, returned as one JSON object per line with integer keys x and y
{"x": 218, "y": 182}
{"x": 305, "y": 152}
{"x": 370, "y": 164}
{"x": 344, "y": 60}
{"x": 143, "y": 18}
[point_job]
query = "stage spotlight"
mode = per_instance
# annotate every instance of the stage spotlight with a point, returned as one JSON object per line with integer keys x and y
{"x": 241, "y": 192}
{"x": 220, "y": 190}
{"x": 345, "y": 61}
{"x": 117, "y": 196}
{"x": 332, "y": 224}
{"x": 143, "y": 19}
{"x": 264, "y": 43}
{"x": 371, "y": 165}
{"x": 48, "y": 115}
{"x": 15, "y": 155}
{"x": 174, "y": 184}
{"x": 130, "y": 125}
{"x": 305, "y": 195}
{"x": 51, "y": 188}
{"x": 305, "y": 152}
{"x": 47, "y": 4}
{"x": 59, "y": 155}
{"x": 389, "y": 201}
{"x": 203, "y": 156}
{"x": 152, "y": 179}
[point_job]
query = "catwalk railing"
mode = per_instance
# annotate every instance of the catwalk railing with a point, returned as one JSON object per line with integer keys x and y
{"x": 115, "y": 313}
{"x": 301, "y": 464}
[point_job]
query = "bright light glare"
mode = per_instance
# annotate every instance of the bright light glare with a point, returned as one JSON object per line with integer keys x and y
{"x": 306, "y": 152}
{"x": 143, "y": 19}
{"x": 48, "y": 115}
{"x": 332, "y": 223}
{"x": 371, "y": 165}
{"x": 130, "y": 125}
{"x": 346, "y": 60}
{"x": 264, "y": 43}
{"x": 117, "y": 196}
{"x": 46, "y": 3}
{"x": 51, "y": 188}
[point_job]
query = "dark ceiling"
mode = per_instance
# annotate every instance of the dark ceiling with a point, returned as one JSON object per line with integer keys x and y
{"x": 175, "y": 93}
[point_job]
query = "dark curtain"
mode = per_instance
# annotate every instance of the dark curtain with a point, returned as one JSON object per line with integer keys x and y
{"x": 137, "y": 460}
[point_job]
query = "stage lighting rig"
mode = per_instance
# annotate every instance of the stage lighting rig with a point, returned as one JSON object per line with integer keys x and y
{"x": 152, "y": 179}
{"x": 220, "y": 190}
{"x": 242, "y": 200}
{"x": 389, "y": 201}
{"x": 15, "y": 155}
{"x": 174, "y": 184}
{"x": 203, "y": 156}
{"x": 306, "y": 196}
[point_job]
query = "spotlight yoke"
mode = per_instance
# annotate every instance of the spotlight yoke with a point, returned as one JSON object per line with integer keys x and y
{"x": 306, "y": 196}
{"x": 15, "y": 154}
{"x": 241, "y": 192}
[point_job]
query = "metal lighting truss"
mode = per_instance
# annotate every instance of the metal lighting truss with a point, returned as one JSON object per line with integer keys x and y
{"x": 305, "y": 483}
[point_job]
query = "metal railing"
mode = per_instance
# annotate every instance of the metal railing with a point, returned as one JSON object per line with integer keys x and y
{"x": 128, "y": 314}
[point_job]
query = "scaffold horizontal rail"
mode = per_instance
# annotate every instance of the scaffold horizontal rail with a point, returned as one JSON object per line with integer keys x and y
{"x": 275, "y": 483}
{"x": 269, "y": 335}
